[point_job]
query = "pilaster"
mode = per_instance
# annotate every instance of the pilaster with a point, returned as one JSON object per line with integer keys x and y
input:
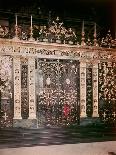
{"x": 95, "y": 89}
{"x": 82, "y": 89}
{"x": 31, "y": 75}
{"x": 17, "y": 88}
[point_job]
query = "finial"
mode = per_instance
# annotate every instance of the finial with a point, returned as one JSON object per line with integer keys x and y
{"x": 89, "y": 42}
{"x": 83, "y": 35}
{"x": 16, "y": 28}
{"x": 95, "y": 30}
{"x": 16, "y": 20}
{"x": 109, "y": 31}
{"x": 95, "y": 35}
{"x": 49, "y": 19}
{"x": 115, "y": 34}
{"x": 31, "y": 33}
{"x": 57, "y": 18}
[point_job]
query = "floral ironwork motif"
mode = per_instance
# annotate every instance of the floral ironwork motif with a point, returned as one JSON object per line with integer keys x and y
{"x": 108, "y": 42}
{"x": 107, "y": 91}
{"x": 57, "y": 102}
{"x": 56, "y": 32}
{"x": 3, "y": 31}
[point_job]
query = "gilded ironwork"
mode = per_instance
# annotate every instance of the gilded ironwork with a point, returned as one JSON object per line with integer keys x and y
{"x": 4, "y": 31}
{"x": 56, "y": 32}
{"x": 57, "y": 96}
{"x": 107, "y": 91}
{"x": 108, "y": 41}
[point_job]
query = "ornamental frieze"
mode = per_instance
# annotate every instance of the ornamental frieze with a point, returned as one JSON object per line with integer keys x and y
{"x": 8, "y": 47}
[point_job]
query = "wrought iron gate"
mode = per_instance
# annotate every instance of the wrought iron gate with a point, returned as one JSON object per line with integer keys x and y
{"x": 57, "y": 92}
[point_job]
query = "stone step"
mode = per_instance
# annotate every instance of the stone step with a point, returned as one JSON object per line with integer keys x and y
{"x": 51, "y": 136}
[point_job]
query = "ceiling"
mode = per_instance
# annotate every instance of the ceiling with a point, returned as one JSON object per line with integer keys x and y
{"x": 97, "y": 9}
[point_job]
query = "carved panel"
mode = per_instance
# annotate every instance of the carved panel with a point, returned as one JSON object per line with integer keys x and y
{"x": 89, "y": 91}
{"x": 6, "y": 102}
{"x": 95, "y": 89}
{"x": 24, "y": 89}
{"x": 31, "y": 76}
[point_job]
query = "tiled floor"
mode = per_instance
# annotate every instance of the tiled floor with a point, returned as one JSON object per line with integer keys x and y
{"x": 98, "y": 148}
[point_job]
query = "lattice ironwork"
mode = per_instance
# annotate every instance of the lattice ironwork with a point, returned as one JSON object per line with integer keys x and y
{"x": 6, "y": 104}
{"x": 24, "y": 89}
{"x": 107, "y": 92}
{"x": 57, "y": 92}
{"x": 89, "y": 91}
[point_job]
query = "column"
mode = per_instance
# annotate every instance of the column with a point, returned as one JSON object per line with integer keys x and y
{"x": 17, "y": 88}
{"x": 95, "y": 89}
{"x": 82, "y": 89}
{"x": 31, "y": 75}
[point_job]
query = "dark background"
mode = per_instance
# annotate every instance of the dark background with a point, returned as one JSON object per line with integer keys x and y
{"x": 72, "y": 12}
